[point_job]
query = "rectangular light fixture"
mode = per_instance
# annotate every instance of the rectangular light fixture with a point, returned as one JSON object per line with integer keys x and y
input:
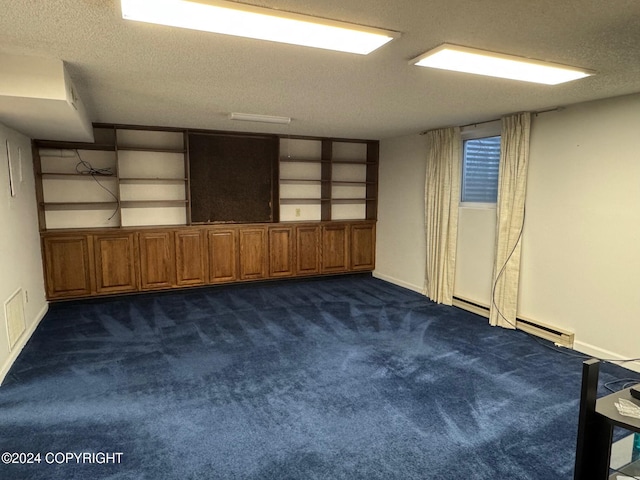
{"x": 254, "y": 117}
{"x": 482, "y": 62}
{"x": 231, "y": 18}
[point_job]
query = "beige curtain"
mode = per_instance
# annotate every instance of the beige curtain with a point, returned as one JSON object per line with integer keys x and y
{"x": 442, "y": 195}
{"x": 512, "y": 188}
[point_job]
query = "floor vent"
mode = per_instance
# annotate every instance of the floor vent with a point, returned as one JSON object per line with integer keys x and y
{"x": 14, "y": 313}
{"x": 539, "y": 329}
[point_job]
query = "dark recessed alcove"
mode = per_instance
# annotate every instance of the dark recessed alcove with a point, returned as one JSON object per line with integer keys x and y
{"x": 233, "y": 178}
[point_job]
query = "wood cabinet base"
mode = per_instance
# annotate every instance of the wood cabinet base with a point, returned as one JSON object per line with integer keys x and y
{"x": 80, "y": 264}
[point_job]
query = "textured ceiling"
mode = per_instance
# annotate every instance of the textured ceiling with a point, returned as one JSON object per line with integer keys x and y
{"x": 137, "y": 73}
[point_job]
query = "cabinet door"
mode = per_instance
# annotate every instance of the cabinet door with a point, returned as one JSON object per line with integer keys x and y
{"x": 335, "y": 248}
{"x": 308, "y": 250}
{"x": 67, "y": 266}
{"x": 281, "y": 252}
{"x": 223, "y": 255}
{"x": 156, "y": 260}
{"x": 190, "y": 257}
{"x": 115, "y": 263}
{"x": 253, "y": 253}
{"x": 363, "y": 246}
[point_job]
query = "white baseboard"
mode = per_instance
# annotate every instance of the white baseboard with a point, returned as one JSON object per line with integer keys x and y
{"x": 598, "y": 352}
{"x": 20, "y": 344}
{"x": 398, "y": 282}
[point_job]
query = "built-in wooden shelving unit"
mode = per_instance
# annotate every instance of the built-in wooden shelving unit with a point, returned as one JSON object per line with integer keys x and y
{"x": 148, "y": 208}
{"x": 139, "y": 176}
{"x": 327, "y": 179}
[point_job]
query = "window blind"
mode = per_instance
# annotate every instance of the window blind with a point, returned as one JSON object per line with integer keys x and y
{"x": 480, "y": 170}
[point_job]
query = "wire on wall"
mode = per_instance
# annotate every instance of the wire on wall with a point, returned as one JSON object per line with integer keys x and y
{"x": 83, "y": 167}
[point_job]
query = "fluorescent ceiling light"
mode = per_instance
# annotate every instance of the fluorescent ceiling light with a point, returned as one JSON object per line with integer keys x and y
{"x": 481, "y": 62}
{"x": 253, "y": 117}
{"x": 231, "y": 18}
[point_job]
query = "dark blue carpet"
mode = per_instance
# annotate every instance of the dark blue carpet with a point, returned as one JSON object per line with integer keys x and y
{"x": 339, "y": 378}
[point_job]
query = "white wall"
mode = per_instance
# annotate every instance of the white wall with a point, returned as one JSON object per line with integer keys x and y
{"x": 20, "y": 260}
{"x": 581, "y": 244}
{"x": 581, "y": 250}
{"x": 400, "y": 240}
{"x": 475, "y": 254}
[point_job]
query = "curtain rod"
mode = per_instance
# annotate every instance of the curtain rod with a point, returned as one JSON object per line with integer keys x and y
{"x": 536, "y": 113}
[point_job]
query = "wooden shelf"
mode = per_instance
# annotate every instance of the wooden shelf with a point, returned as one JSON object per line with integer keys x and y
{"x": 149, "y": 179}
{"x": 150, "y": 203}
{"x": 352, "y": 200}
{"x": 68, "y": 204}
{"x": 77, "y": 175}
{"x": 339, "y": 162}
{"x": 151, "y": 149}
{"x": 352, "y": 162}
{"x": 303, "y": 200}
{"x": 348, "y": 183}
{"x": 302, "y": 160}
{"x": 148, "y": 174}
{"x": 301, "y": 181}
{"x": 53, "y": 145}
{"x": 347, "y": 170}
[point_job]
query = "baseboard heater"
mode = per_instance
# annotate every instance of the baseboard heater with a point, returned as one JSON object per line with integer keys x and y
{"x": 534, "y": 327}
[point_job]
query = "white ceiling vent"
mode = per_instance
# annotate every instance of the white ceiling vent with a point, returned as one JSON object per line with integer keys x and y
{"x": 38, "y": 98}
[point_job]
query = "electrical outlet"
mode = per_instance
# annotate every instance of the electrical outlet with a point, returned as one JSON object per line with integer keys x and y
{"x": 297, "y": 212}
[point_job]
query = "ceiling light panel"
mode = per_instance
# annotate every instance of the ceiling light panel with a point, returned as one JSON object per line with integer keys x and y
{"x": 231, "y": 18}
{"x": 481, "y": 62}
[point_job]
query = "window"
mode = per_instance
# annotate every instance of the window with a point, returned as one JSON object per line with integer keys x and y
{"x": 481, "y": 161}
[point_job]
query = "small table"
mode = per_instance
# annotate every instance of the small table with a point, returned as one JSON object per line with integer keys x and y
{"x": 595, "y": 427}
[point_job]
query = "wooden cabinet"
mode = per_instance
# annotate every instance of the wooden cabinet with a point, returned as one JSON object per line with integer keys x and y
{"x": 157, "y": 260}
{"x": 190, "y": 257}
{"x": 115, "y": 265}
{"x": 253, "y": 253}
{"x": 67, "y": 266}
{"x": 308, "y": 250}
{"x": 223, "y": 255}
{"x": 335, "y": 248}
{"x": 363, "y": 246}
{"x": 102, "y": 262}
{"x": 281, "y": 251}
{"x": 83, "y": 264}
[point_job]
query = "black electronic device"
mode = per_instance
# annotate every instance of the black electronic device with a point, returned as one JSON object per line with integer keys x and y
{"x": 635, "y": 392}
